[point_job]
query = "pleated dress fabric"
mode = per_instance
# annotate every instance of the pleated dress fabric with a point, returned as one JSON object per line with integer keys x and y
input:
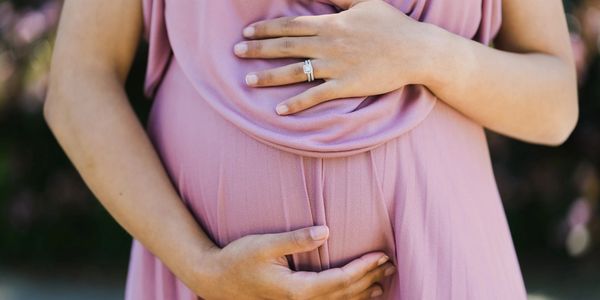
{"x": 400, "y": 172}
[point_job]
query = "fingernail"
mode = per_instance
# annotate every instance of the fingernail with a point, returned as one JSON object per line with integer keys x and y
{"x": 376, "y": 293}
{"x": 251, "y": 79}
{"x": 389, "y": 271}
{"x": 248, "y": 31}
{"x": 240, "y": 48}
{"x": 382, "y": 260}
{"x": 282, "y": 109}
{"x": 318, "y": 233}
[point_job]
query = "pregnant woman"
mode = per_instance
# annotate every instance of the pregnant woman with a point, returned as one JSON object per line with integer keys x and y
{"x": 309, "y": 149}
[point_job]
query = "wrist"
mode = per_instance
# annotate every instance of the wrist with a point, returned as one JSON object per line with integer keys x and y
{"x": 201, "y": 275}
{"x": 204, "y": 266}
{"x": 438, "y": 57}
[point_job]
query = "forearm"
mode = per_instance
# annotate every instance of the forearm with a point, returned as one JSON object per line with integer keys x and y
{"x": 528, "y": 96}
{"x": 95, "y": 125}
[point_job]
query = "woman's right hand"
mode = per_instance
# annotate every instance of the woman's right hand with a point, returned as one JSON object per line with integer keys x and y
{"x": 255, "y": 267}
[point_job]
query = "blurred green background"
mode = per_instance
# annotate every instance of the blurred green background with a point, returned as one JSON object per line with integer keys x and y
{"x": 57, "y": 241}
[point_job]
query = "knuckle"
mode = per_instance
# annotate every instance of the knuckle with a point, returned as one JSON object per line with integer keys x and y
{"x": 294, "y": 106}
{"x": 376, "y": 276}
{"x": 380, "y": 272}
{"x": 304, "y": 104}
{"x": 373, "y": 288}
{"x": 336, "y": 90}
{"x": 323, "y": 94}
{"x": 254, "y": 47}
{"x": 287, "y": 45}
{"x": 341, "y": 45}
{"x": 345, "y": 282}
{"x": 288, "y": 25}
{"x": 336, "y": 25}
{"x": 255, "y": 249}
{"x": 321, "y": 69}
{"x": 298, "y": 71}
{"x": 296, "y": 238}
{"x": 265, "y": 78}
{"x": 259, "y": 29}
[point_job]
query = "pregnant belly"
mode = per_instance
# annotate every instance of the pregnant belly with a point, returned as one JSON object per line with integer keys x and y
{"x": 427, "y": 198}
{"x": 235, "y": 185}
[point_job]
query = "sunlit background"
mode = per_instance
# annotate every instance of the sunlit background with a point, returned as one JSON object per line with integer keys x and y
{"x": 57, "y": 242}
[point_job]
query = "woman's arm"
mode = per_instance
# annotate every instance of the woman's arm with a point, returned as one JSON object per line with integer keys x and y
{"x": 89, "y": 113}
{"x": 526, "y": 87}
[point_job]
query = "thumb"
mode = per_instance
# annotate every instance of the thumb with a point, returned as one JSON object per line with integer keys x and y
{"x": 300, "y": 240}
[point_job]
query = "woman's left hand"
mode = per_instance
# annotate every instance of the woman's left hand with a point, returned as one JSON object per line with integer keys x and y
{"x": 371, "y": 48}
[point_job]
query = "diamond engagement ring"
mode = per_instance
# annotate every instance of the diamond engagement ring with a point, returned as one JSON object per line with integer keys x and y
{"x": 308, "y": 70}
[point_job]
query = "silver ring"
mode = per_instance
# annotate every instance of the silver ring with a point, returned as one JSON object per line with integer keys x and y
{"x": 308, "y": 70}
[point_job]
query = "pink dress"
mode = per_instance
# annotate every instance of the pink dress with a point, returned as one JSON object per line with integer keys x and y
{"x": 400, "y": 172}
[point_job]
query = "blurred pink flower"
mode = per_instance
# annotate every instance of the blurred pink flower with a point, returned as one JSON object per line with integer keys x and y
{"x": 31, "y": 26}
{"x": 51, "y": 11}
{"x": 580, "y": 55}
{"x": 579, "y": 213}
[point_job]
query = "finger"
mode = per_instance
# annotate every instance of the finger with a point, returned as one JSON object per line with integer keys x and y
{"x": 274, "y": 245}
{"x": 372, "y": 292}
{"x": 332, "y": 280}
{"x": 323, "y": 92}
{"x": 371, "y": 278}
{"x": 288, "y": 74}
{"x": 277, "y": 48}
{"x": 284, "y": 26}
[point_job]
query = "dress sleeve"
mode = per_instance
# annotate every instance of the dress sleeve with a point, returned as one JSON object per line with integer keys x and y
{"x": 159, "y": 48}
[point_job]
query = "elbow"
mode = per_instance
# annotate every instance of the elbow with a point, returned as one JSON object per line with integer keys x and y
{"x": 562, "y": 133}
{"x": 562, "y": 124}
{"x": 566, "y": 114}
{"x": 46, "y": 108}
{"x": 54, "y": 109}
{"x": 561, "y": 112}
{"x": 61, "y": 79}
{"x": 49, "y": 107}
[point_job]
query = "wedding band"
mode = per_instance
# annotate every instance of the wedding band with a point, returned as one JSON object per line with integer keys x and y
{"x": 308, "y": 70}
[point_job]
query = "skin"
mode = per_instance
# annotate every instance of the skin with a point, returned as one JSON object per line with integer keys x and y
{"x": 524, "y": 88}
{"x": 88, "y": 112}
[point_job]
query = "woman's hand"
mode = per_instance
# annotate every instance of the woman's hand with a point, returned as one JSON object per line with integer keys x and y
{"x": 255, "y": 267}
{"x": 370, "y": 48}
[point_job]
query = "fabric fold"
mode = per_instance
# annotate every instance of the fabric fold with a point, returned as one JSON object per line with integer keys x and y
{"x": 192, "y": 32}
